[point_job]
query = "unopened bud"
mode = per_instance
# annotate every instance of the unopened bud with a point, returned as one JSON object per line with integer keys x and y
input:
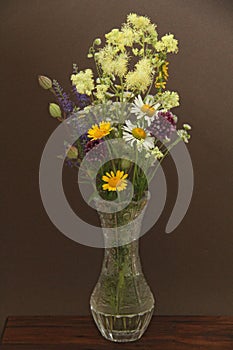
{"x": 45, "y": 82}
{"x": 72, "y": 153}
{"x": 54, "y": 110}
{"x": 187, "y": 127}
{"x": 97, "y": 41}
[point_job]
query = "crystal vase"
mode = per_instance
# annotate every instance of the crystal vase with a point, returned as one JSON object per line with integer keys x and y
{"x": 122, "y": 303}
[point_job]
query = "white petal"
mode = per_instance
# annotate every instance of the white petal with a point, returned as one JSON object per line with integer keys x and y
{"x": 130, "y": 125}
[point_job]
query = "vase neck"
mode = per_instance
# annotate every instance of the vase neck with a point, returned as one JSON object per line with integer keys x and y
{"x": 120, "y": 228}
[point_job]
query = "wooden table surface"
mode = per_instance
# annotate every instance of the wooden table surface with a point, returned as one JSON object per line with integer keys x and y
{"x": 80, "y": 333}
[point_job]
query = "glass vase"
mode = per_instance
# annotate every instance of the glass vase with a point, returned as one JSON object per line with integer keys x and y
{"x": 122, "y": 303}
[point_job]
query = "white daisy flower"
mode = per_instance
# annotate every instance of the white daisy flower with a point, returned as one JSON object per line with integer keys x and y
{"x": 137, "y": 134}
{"x": 145, "y": 109}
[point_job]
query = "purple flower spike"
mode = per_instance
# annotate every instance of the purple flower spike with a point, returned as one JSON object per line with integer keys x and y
{"x": 63, "y": 98}
{"x": 83, "y": 100}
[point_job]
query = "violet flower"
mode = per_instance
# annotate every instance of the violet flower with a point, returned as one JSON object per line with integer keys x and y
{"x": 163, "y": 125}
{"x": 66, "y": 104}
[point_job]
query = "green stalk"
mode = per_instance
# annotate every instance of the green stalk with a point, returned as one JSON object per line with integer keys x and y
{"x": 135, "y": 168}
{"x": 165, "y": 154}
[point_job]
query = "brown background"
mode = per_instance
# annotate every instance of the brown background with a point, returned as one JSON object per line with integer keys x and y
{"x": 43, "y": 272}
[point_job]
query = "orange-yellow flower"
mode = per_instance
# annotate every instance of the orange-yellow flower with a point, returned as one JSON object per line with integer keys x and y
{"x": 99, "y": 131}
{"x": 115, "y": 182}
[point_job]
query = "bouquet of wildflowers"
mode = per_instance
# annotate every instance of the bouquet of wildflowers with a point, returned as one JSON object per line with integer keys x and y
{"x": 131, "y": 71}
{"x": 120, "y": 127}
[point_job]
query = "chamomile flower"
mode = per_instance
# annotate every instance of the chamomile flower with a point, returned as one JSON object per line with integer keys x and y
{"x": 99, "y": 131}
{"x": 144, "y": 109}
{"x": 115, "y": 182}
{"x": 135, "y": 134}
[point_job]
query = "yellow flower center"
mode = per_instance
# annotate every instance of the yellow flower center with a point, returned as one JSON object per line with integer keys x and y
{"x": 99, "y": 133}
{"x": 148, "y": 110}
{"x": 139, "y": 133}
{"x": 114, "y": 181}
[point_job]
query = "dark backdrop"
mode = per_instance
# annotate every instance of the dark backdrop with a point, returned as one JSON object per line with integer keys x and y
{"x": 43, "y": 272}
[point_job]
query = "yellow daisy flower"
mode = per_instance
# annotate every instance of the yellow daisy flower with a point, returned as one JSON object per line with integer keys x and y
{"x": 99, "y": 131}
{"x": 115, "y": 182}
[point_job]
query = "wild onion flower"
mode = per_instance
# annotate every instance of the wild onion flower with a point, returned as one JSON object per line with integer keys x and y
{"x": 91, "y": 144}
{"x": 100, "y": 153}
{"x": 163, "y": 125}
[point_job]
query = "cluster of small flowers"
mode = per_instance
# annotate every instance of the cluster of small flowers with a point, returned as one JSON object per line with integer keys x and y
{"x": 184, "y": 133}
{"x": 135, "y": 42}
{"x": 137, "y": 36}
{"x": 63, "y": 99}
{"x": 163, "y": 125}
{"x": 82, "y": 100}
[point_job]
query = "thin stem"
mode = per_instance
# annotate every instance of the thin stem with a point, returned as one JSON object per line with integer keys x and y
{"x": 165, "y": 154}
{"x": 135, "y": 167}
{"x": 110, "y": 152}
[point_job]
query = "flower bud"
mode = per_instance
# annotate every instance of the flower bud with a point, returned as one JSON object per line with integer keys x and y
{"x": 97, "y": 41}
{"x": 45, "y": 82}
{"x": 187, "y": 127}
{"x": 72, "y": 153}
{"x": 54, "y": 110}
{"x": 89, "y": 55}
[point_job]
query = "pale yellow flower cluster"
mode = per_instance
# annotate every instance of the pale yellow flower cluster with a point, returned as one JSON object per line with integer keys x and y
{"x": 116, "y": 37}
{"x": 141, "y": 78}
{"x": 83, "y": 81}
{"x": 101, "y": 90}
{"x": 111, "y": 62}
{"x": 130, "y": 36}
{"x": 167, "y": 44}
{"x": 138, "y": 22}
{"x": 155, "y": 152}
{"x": 136, "y": 37}
{"x": 143, "y": 29}
{"x": 169, "y": 99}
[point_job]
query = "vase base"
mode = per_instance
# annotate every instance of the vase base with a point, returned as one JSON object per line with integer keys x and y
{"x": 122, "y": 328}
